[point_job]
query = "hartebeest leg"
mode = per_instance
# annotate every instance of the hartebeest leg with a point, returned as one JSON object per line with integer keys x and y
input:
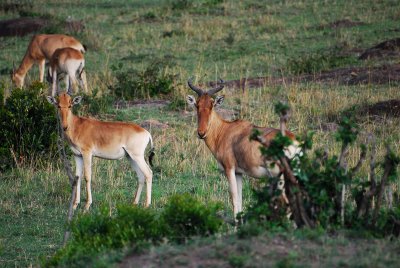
{"x": 67, "y": 84}
{"x": 233, "y": 190}
{"x": 144, "y": 173}
{"x": 41, "y": 70}
{"x": 84, "y": 81}
{"x": 55, "y": 83}
{"x": 87, "y": 165}
{"x": 239, "y": 182}
{"x": 78, "y": 173}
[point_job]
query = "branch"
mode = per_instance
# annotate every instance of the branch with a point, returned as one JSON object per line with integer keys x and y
{"x": 388, "y": 170}
{"x": 72, "y": 180}
{"x": 371, "y": 192}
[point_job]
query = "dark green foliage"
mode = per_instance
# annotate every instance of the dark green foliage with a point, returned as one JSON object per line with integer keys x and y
{"x": 152, "y": 81}
{"x": 181, "y": 4}
{"x": 321, "y": 178}
{"x": 100, "y": 232}
{"x": 136, "y": 227}
{"x": 27, "y": 128}
{"x": 347, "y": 132}
{"x": 94, "y": 105}
{"x": 186, "y": 216}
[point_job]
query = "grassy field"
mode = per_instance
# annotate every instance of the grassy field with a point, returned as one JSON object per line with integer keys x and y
{"x": 206, "y": 39}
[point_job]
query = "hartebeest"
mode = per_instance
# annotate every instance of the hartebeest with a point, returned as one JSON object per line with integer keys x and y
{"x": 230, "y": 143}
{"x": 88, "y": 137}
{"x": 70, "y": 62}
{"x": 40, "y": 49}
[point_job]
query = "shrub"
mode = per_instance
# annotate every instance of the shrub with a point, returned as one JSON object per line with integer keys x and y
{"x": 27, "y": 128}
{"x": 185, "y": 216}
{"x": 93, "y": 234}
{"x": 94, "y": 105}
{"x": 152, "y": 81}
{"x": 323, "y": 192}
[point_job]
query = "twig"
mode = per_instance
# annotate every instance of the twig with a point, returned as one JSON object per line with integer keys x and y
{"x": 72, "y": 180}
{"x": 388, "y": 170}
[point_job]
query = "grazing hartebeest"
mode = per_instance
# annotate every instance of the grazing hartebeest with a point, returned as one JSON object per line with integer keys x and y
{"x": 230, "y": 143}
{"x": 40, "y": 49}
{"x": 89, "y": 137}
{"x": 70, "y": 62}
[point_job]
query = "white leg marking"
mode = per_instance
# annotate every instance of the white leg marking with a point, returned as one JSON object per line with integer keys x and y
{"x": 233, "y": 190}
{"x": 78, "y": 173}
{"x": 87, "y": 165}
{"x": 144, "y": 173}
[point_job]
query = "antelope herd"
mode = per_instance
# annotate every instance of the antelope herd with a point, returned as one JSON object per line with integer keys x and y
{"x": 228, "y": 141}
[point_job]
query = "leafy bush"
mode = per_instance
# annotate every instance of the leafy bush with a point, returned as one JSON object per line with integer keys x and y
{"x": 92, "y": 234}
{"x": 185, "y": 216}
{"x": 323, "y": 192}
{"x": 27, "y": 128}
{"x": 152, "y": 81}
{"x": 136, "y": 227}
{"x": 94, "y": 105}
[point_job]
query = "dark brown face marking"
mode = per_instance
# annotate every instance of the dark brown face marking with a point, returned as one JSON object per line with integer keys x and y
{"x": 204, "y": 107}
{"x": 64, "y": 106}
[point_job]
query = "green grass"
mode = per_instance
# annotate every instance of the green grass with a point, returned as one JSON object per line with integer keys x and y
{"x": 208, "y": 39}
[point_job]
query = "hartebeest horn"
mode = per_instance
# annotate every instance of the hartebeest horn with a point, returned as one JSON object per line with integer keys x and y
{"x": 199, "y": 91}
{"x": 218, "y": 88}
{"x": 13, "y": 67}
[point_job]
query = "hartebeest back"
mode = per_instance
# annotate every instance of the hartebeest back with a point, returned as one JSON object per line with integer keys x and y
{"x": 40, "y": 49}
{"x": 88, "y": 137}
{"x": 230, "y": 143}
{"x": 70, "y": 62}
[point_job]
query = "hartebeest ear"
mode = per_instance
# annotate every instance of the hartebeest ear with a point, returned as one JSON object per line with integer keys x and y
{"x": 76, "y": 100}
{"x": 219, "y": 100}
{"x": 191, "y": 100}
{"x": 52, "y": 100}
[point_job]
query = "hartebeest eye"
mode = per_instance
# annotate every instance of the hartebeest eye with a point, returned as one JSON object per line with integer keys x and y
{"x": 191, "y": 100}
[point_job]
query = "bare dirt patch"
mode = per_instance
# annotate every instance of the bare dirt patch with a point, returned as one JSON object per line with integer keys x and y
{"x": 389, "y": 108}
{"x": 26, "y": 25}
{"x": 343, "y": 76}
{"x": 270, "y": 251}
{"x": 153, "y": 124}
{"x": 388, "y": 48}
{"x": 345, "y": 23}
{"x": 22, "y": 26}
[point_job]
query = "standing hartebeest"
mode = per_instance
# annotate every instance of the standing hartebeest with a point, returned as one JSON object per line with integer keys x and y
{"x": 88, "y": 137}
{"x": 40, "y": 49}
{"x": 70, "y": 62}
{"x": 230, "y": 143}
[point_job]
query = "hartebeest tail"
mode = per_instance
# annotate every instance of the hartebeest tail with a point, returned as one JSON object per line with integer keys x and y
{"x": 230, "y": 143}
{"x": 89, "y": 137}
{"x": 40, "y": 49}
{"x": 70, "y": 62}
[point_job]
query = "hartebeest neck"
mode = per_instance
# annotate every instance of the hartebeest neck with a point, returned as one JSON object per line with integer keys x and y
{"x": 25, "y": 65}
{"x": 215, "y": 131}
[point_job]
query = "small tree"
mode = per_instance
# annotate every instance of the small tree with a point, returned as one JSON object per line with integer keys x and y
{"x": 317, "y": 189}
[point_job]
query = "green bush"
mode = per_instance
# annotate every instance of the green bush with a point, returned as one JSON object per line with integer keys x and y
{"x": 27, "y": 128}
{"x": 94, "y": 105}
{"x": 152, "y": 81}
{"x": 316, "y": 196}
{"x": 185, "y": 216}
{"x": 136, "y": 227}
{"x": 100, "y": 232}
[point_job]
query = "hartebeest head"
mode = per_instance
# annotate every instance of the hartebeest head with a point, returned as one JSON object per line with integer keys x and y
{"x": 204, "y": 106}
{"x": 64, "y": 106}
